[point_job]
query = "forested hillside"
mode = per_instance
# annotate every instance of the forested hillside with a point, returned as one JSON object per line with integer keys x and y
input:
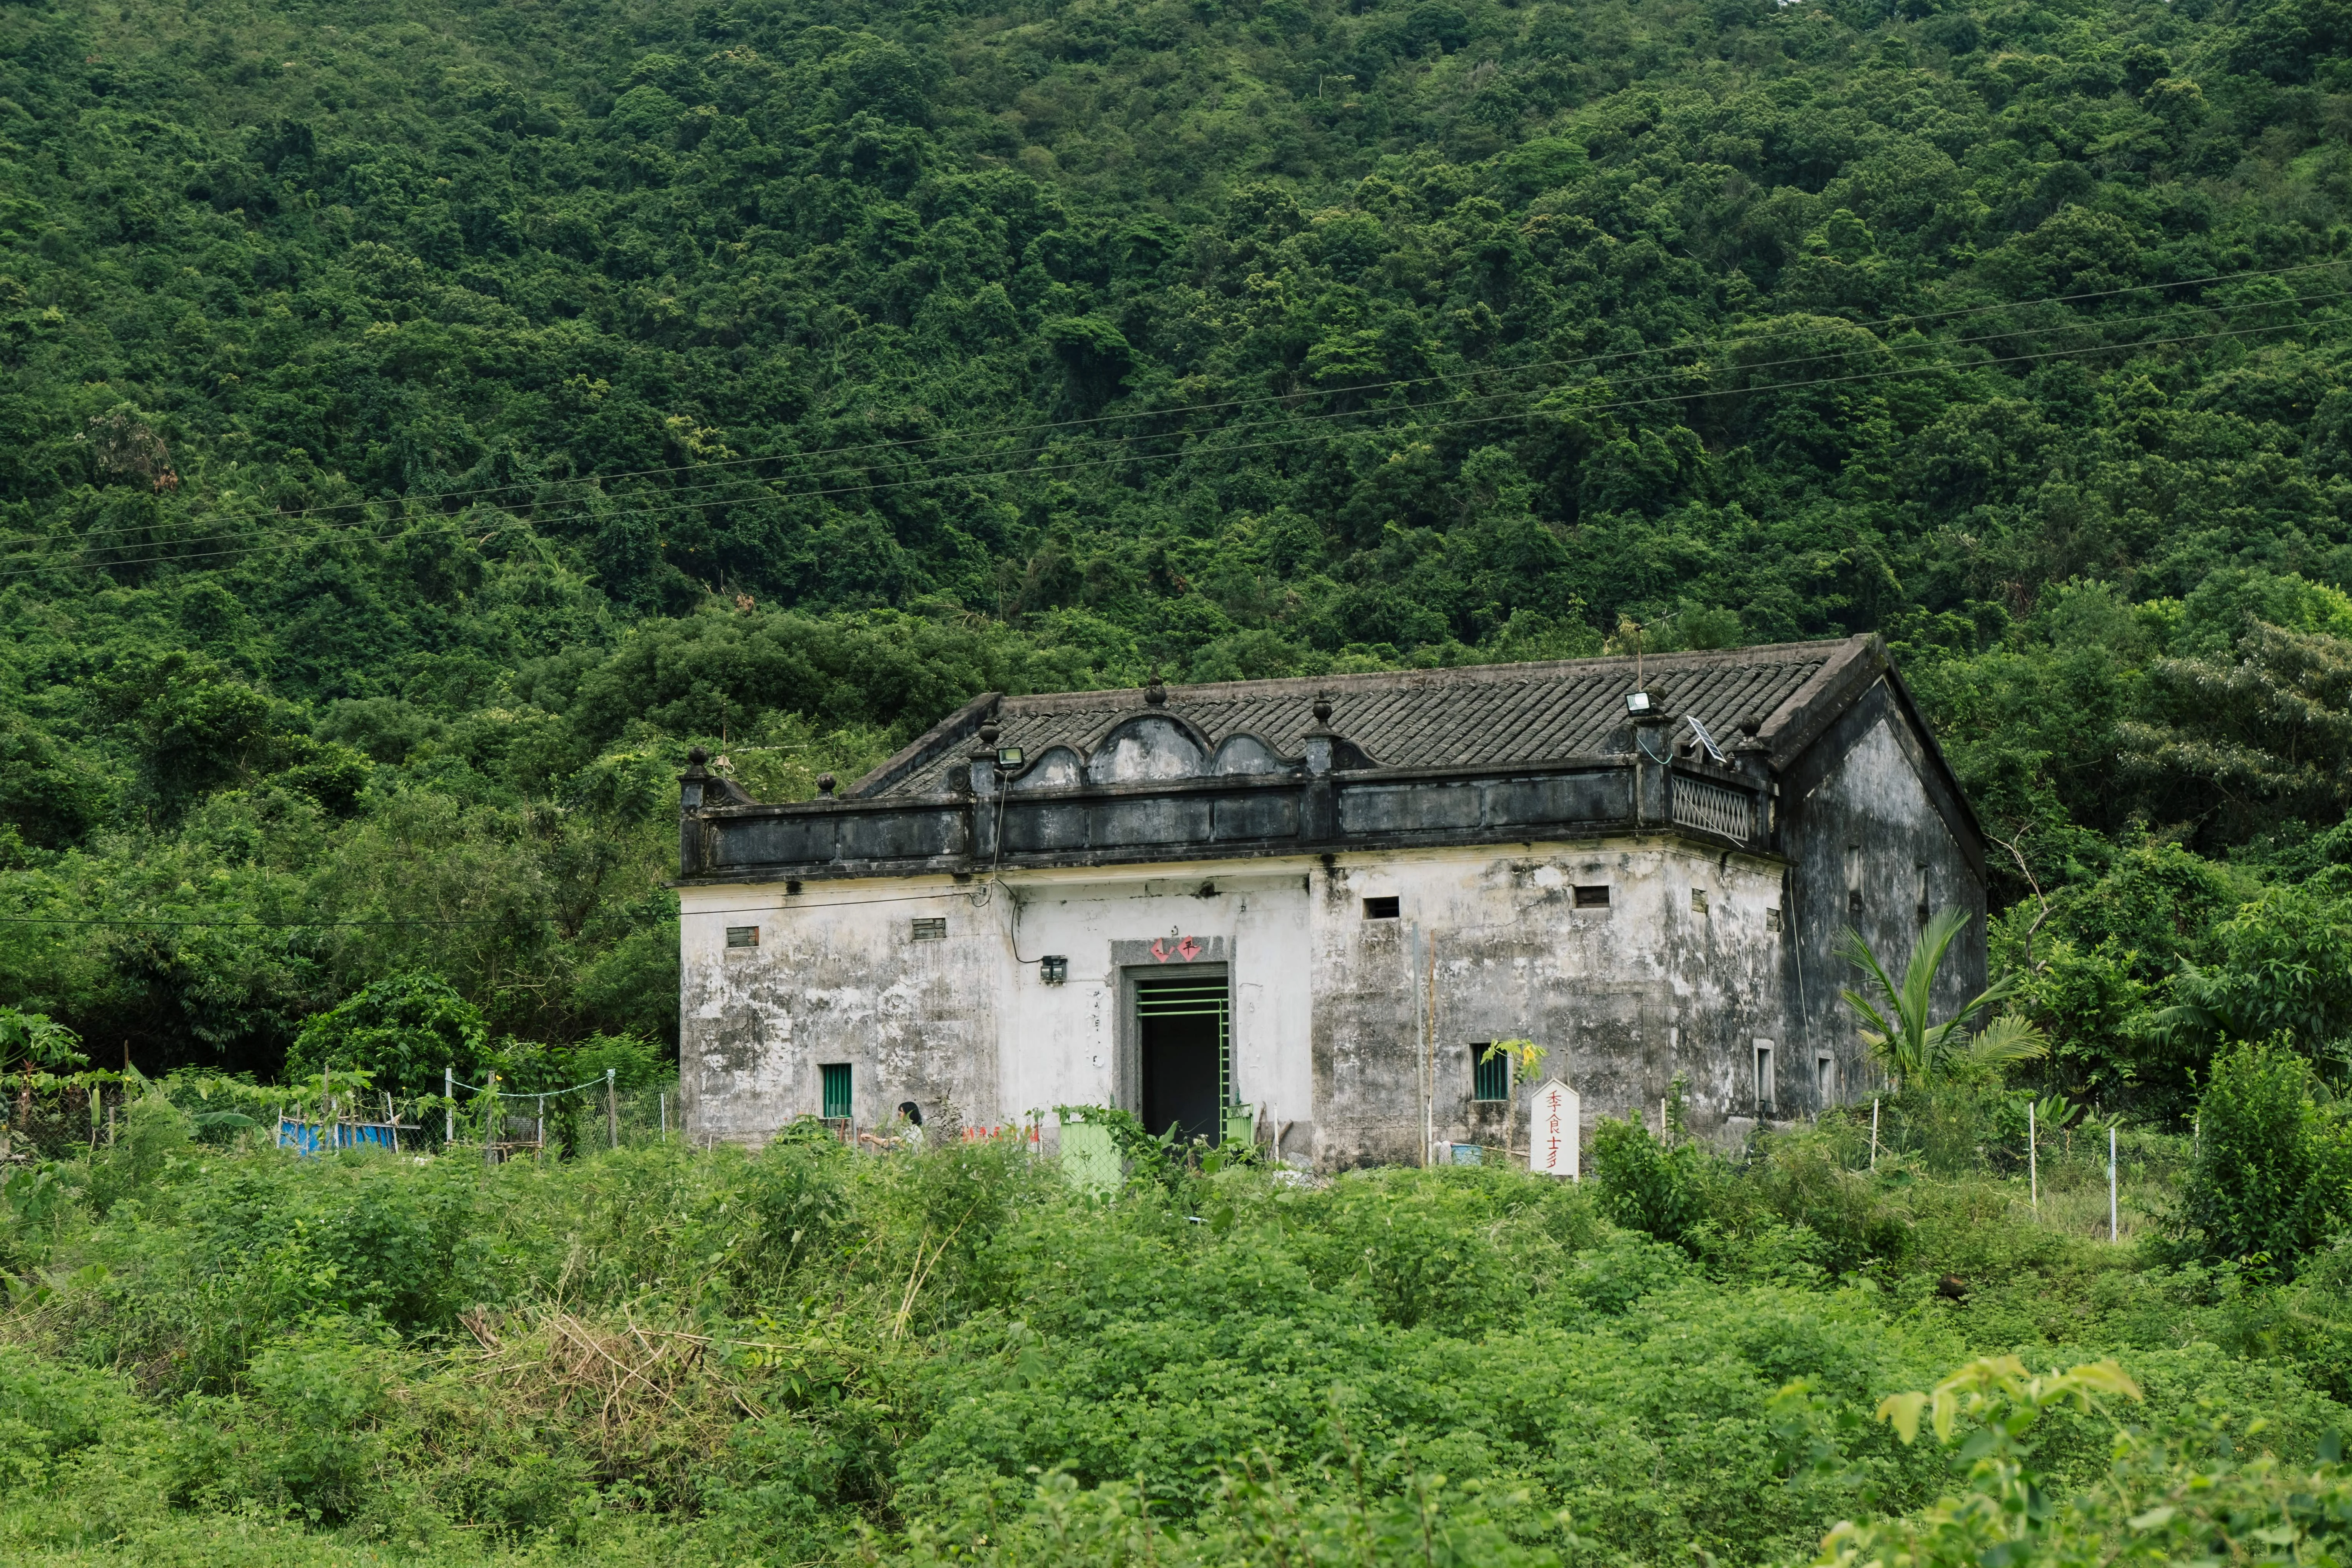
{"x": 422, "y": 421}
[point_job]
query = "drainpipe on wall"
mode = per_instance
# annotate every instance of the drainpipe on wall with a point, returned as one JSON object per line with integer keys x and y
{"x": 1421, "y": 1052}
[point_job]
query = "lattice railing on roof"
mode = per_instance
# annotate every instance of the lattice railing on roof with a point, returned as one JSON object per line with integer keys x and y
{"x": 1712, "y": 809}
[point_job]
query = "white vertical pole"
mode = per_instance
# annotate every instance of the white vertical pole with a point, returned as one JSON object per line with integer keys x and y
{"x": 2112, "y": 1233}
{"x": 448, "y": 1105}
{"x": 611, "y": 1113}
{"x": 662, "y": 1099}
{"x": 1873, "y": 1132}
{"x": 2033, "y": 1162}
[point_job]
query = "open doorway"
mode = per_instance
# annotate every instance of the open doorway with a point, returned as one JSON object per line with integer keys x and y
{"x": 1184, "y": 1027}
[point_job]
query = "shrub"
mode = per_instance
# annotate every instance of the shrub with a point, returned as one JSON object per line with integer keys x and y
{"x": 2273, "y": 1176}
{"x": 402, "y": 1031}
{"x": 1644, "y": 1185}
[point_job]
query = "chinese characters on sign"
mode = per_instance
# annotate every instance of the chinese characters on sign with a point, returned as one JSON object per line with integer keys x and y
{"x": 1188, "y": 949}
{"x": 1555, "y": 1129}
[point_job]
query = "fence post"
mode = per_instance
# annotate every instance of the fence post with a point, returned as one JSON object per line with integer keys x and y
{"x": 661, "y": 1097}
{"x": 2033, "y": 1162}
{"x": 2113, "y": 1233}
{"x": 1873, "y": 1132}
{"x": 611, "y": 1113}
{"x": 448, "y": 1105}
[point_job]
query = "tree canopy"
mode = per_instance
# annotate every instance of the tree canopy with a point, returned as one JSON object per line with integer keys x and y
{"x": 423, "y": 420}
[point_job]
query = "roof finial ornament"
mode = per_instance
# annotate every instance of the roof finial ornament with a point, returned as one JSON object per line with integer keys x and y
{"x": 988, "y": 733}
{"x": 1155, "y": 692}
{"x": 1322, "y": 709}
{"x": 694, "y": 757}
{"x": 824, "y": 783}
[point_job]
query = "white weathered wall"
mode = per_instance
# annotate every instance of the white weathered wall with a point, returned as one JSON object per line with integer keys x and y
{"x": 1622, "y": 997}
{"x": 1330, "y": 1009}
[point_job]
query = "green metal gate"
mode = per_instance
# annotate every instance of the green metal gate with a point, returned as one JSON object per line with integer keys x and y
{"x": 1194, "y": 997}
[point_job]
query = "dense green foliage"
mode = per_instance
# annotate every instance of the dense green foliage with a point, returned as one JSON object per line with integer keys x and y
{"x": 814, "y": 1354}
{"x": 422, "y": 421}
{"x": 2273, "y": 1178}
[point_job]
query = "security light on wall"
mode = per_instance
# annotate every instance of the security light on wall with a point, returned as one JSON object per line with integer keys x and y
{"x": 1008, "y": 756}
{"x": 1637, "y": 702}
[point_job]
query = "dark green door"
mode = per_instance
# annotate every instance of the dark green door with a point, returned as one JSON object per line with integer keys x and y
{"x": 1185, "y": 1029}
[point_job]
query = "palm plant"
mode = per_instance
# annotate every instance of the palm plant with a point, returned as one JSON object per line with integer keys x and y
{"x": 1895, "y": 1026}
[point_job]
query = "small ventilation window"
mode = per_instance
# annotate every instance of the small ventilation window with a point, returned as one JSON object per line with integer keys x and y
{"x": 1592, "y": 896}
{"x": 1825, "y": 1078}
{"x": 930, "y": 928}
{"x": 1490, "y": 1080}
{"x": 1381, "y": 909}
{"x": 1764, "y": 1079}
{"x": 1699, "y": 900}
{"x": 836, "y": 1091}
{"x": 743, "y": 936}
{"x": 1771, "y": 920}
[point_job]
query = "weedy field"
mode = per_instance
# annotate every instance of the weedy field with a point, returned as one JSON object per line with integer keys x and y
{"x": 224, "y": 1353}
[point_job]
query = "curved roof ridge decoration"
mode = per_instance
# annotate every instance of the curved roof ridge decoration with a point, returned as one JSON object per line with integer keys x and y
{"x": 1468, "y": 715}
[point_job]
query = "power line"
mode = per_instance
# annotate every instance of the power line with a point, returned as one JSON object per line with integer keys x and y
{"x": 1212, "y": 406}
{"x": 1206, "y": 447}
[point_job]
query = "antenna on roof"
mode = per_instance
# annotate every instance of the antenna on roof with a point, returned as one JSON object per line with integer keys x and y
{"x": 1638, "y": 700}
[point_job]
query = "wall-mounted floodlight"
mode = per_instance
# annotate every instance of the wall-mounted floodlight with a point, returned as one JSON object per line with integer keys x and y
{"x": 1053, "y": 969}
{"x": 1637, "y": 702}
{"x": 1008, "y": 756}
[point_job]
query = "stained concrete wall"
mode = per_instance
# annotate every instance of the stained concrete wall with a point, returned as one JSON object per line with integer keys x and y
{"x": 1875, "y": 843}
{"x": 1494, "y": 947}
{"x": 1332, "y": 1011}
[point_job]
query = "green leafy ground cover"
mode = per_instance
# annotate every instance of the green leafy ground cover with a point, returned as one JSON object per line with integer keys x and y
{"x": 810, "y": 1354}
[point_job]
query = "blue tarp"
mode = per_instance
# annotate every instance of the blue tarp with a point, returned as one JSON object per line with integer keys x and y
{"x": 309, "y": 1138}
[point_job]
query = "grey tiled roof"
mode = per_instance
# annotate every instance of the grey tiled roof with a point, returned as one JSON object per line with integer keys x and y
{"x": 1471, "y": 716}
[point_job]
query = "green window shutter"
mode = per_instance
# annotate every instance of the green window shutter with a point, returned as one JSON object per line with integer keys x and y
{"x": 837, "y": 1090}
{"x": 1489, "y": 1080}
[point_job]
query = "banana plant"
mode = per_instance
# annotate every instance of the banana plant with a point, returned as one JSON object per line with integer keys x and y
{"x": 1895, "y": 1026}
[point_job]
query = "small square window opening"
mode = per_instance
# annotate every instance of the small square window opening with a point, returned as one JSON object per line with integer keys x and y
{"x": 1592, "y": 895}
{"x": 1489, "y": 1081}
{"x": 1381, "y": 909}
{"x": 1771, "y": 920}
{"x": 1699, "y": 900}
{"x": 743, "y": 936}
{"x": 835, "y": 1076}
{"x": 930, "y": 928}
